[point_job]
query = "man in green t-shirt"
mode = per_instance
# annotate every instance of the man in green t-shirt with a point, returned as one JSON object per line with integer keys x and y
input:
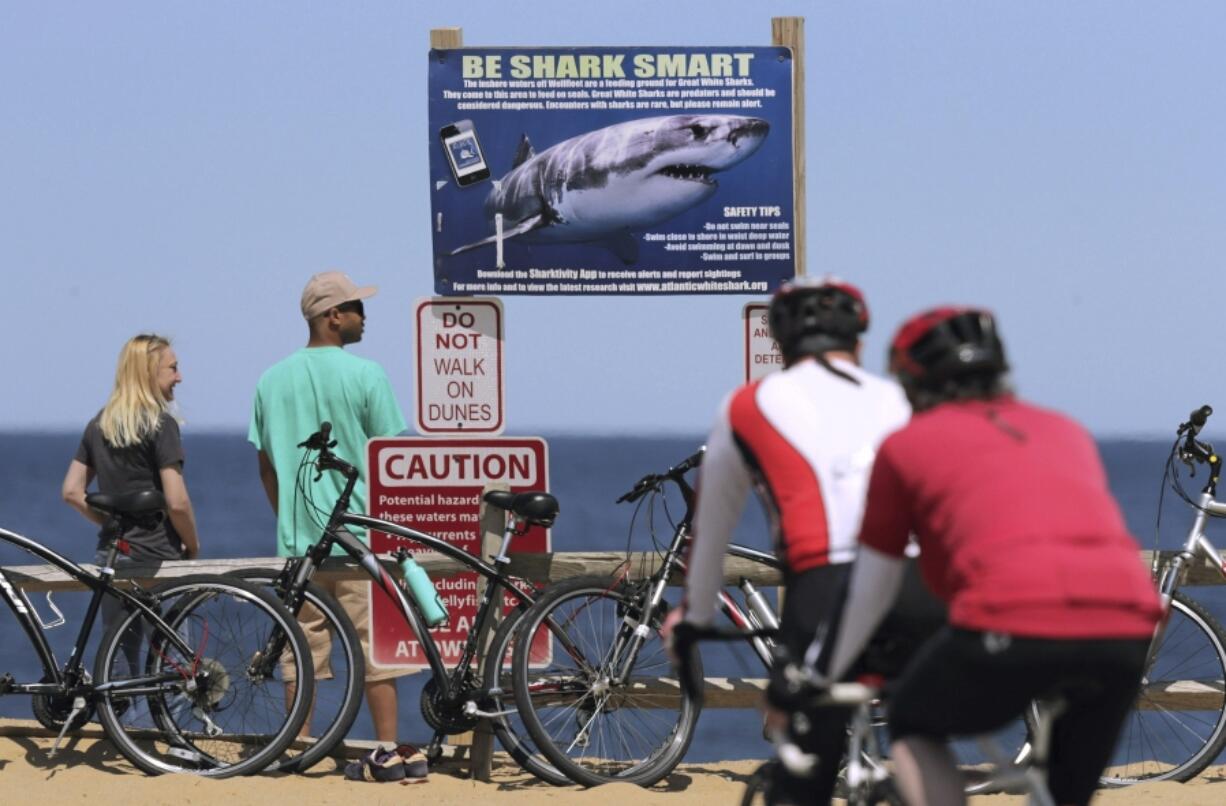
{"x": 317, "y": 383}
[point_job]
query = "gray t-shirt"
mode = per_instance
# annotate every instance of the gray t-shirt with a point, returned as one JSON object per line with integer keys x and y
{"x": 128, "y": 470}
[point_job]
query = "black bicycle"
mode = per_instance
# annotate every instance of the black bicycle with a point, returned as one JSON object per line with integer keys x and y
{"x": 456, "y": 697}
{"x": 606, "y": 708}
{"x": 181, "y": 681}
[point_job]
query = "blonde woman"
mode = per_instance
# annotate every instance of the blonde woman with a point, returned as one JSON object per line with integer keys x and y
{"x": 133, "y": 444}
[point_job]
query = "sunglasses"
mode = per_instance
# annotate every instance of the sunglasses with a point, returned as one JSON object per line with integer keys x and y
{"x": 354, "y": 306}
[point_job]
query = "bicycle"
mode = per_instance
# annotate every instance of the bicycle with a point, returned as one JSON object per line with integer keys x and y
{"x": 1187, "y": 656}
{"x": 455, "y": 698}
{"x": 866, "y": 778}
{"x": 180, "y": 680}
{"x": 605, "y": 709}
{"x": 559, "y": 704}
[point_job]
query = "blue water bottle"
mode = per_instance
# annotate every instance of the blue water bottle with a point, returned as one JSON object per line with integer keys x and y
{"x": 423, "y": 591}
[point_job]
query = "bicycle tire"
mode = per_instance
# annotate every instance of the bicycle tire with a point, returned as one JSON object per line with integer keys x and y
{"x": 979, "y": 776}
{"x": 510, "y": 729}
{"x": 337, "y": 699}
{"x": 759, "y": 789}
{"x": 1193, "y": 650}
{"x": 547, "y": 713}
{"x": 761, "y": 782}
{"x": 154, "y": 729}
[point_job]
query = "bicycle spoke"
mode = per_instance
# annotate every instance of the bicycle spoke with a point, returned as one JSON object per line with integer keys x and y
{"x": 609, "y": 728}
{"x": 1175, "y": 729}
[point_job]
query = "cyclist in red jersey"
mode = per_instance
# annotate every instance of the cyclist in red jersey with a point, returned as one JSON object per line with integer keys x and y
{"x": 1021, "y": 537}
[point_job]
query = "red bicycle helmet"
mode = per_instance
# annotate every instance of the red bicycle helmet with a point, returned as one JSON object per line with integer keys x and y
{"x": 947, "y": 343}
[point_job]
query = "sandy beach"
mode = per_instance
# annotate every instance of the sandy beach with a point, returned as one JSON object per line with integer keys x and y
{"x": 88, "y": 769}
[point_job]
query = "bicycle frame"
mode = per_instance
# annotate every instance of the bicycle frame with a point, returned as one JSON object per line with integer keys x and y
{"x": 1197, "y": 543}
{"x": 335, "y": 535}
{"x": 759, "y": 617}
{"x": 68, "y": 681}
{"x": 409, "y": 609}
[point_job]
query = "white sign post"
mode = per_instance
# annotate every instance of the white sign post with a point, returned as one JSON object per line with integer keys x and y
{"x": 460, "y": 387}
{"x": 762, "y": 355}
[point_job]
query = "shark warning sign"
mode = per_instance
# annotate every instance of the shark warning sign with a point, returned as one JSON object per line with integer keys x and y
{"x": 611, "y": 170}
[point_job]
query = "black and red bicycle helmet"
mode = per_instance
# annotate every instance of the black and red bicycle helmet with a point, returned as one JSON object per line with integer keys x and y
{"x": 809, "y": 316}
{"x": 945, "y": 344}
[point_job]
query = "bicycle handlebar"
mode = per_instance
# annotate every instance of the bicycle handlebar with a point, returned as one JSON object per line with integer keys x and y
{"x": 1196, "y": 420}
{"x": 319, "y": 441}
{"x": 652, "y": 480}
{"x": 685, "y": 638}
{"x": 1193, "y": 448}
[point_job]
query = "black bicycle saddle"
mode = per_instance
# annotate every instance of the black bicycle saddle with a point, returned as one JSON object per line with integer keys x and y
{"x": 137, "y": 503}
{"x": 533, "y": 506}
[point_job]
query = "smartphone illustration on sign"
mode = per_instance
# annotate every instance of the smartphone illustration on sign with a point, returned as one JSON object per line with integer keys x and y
{"x": 464, "y": 153}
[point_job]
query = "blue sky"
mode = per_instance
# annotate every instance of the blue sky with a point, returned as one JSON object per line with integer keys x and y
{"x": 185, "y": 167}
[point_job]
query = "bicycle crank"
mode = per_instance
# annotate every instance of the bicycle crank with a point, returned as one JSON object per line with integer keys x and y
{"x": 446, "y": 717}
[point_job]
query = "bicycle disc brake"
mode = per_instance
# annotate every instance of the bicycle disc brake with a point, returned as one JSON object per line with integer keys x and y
{"x": 441, "y": 715}
{"x": 631, "y": 605}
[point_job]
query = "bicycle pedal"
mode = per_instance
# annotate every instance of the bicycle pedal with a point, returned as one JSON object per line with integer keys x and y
{"x": 185, "y": 754}
{"x": 7, "y": 683}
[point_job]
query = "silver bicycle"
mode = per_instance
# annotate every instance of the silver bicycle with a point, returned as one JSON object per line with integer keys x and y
{"x": 1178, "y": 725}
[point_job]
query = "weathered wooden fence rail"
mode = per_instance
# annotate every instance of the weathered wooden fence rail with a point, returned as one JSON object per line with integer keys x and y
{"x": 721, "y": 692}
{"x": 537, "y": 567}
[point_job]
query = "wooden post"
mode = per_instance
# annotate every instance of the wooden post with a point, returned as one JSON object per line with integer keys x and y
{"x": 449, "y": 39}
{"x": 789, "y": 32}
{"x": 493, "y": 524}
{"x": 446, "y": 38}
{"x": 481, "y": 738}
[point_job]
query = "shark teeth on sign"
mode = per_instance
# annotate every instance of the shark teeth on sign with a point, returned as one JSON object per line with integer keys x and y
{"x": 691, "y": 172}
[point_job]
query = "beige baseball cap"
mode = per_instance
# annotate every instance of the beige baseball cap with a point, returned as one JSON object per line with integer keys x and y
{"x": 329, "y": 289}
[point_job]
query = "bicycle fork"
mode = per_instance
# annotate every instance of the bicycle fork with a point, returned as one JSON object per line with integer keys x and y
{"x": 623, "y": 657}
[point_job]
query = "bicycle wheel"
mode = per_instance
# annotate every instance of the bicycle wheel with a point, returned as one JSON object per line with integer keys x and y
{"x": 218, "y": 709}
{"x": 510, "y": 730}
{"x": 599, "y": 710}
{"x": 979, "y": 775}
{"x": 338, "y": 685}
{"x": 1178, "y": 725}
{"x": 758, "y": 789}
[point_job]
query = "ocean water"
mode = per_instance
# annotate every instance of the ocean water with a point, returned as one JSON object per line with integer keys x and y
{"x": 586, "y": 473}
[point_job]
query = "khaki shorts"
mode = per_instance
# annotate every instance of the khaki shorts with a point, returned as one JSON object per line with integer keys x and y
{"x": 354, "y": 598}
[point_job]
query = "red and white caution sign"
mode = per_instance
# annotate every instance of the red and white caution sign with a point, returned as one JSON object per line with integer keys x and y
{"x": 460, "y": 386}
{"x": 434, "y": 485}
{"x": 761, "y": 353}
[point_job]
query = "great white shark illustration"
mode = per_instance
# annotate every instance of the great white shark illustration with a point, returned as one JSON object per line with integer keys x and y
{"x": 600, "y": 186}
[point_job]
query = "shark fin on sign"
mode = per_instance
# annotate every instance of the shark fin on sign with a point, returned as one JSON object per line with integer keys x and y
{"x": 524, "y": 153}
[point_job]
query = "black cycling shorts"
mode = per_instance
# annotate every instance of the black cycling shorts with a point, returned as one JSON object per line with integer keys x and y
{"x": 814, "y": 598}
{"x": 964, "y": 683}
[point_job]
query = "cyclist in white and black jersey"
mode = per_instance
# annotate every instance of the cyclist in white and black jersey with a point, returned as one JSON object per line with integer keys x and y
{"x": 805, "y": 438}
